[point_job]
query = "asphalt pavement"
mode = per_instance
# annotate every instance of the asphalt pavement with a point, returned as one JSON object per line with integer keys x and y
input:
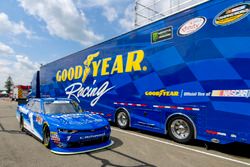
{"x": 132, "y": 148}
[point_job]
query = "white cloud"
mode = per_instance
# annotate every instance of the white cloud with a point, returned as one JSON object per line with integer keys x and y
{"x": 127, "y": 22}
{"x": 97, "y": 3}
{"x": 5, "y": 49}
{"x": 5, "y": 62}
{"x": 13, "y": 28}
{"x": 20, "y": 68}
{"x": 111, "y": 9}
{"x": 110, "y": 13}
{"x": 63, "y": 19}
{"x": 25, "y": 62}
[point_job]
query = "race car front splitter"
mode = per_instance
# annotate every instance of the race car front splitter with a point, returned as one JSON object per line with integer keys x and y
{"x": 84, "y": 149}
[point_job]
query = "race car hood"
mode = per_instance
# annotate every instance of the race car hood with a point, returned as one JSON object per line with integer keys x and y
{"x": 81, "y": 121}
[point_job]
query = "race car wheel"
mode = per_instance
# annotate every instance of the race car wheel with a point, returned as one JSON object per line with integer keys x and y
{"x": 180, "y": 129}
{"x": 122, "y": 119}
{"x": 21, "y": 124}
{"x": 46, "y": 137}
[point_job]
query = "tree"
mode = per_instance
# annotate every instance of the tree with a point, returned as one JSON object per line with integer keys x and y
{"x": 9, "y": 84}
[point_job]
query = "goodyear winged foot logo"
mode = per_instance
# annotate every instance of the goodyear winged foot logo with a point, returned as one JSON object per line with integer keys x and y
{"x": 95, "y": 67}
{"x": 87, "y": 64}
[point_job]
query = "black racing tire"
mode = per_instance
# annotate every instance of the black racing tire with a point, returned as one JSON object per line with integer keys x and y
{"x": 46, "y": 136}
{"x": 21, "y": 125}
{"x": 122, "y": 119}
{"x": 180, "y": 129}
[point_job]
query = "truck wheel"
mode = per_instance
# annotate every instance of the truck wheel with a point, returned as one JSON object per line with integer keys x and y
{"x": 122, "y": 119}
{"x": 46, "y": 137}
{"x": 180, "y": 129}
{"x": 21, "y": 124}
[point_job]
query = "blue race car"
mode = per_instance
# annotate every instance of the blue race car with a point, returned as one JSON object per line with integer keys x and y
{"x": 62, "y": 126}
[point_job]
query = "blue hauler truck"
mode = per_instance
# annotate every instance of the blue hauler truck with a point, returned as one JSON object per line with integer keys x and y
{"x": 186, "y": 75}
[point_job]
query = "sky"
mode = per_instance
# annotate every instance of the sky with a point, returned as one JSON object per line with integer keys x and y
{"x": 35, "y": 32}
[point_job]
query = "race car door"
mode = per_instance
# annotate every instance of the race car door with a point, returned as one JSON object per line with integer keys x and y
{"x": 36, "y": 119}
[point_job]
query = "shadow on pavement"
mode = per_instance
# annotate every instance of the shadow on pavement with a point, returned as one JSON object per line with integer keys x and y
{"x": 235, "y": 149}
{"x": 3, "y": 130}
{"x": 106, "y": 162}
{"x": 118, "y": 143}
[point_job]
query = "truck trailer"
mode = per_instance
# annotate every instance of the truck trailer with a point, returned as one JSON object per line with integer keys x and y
{"x": 186, "y": 75}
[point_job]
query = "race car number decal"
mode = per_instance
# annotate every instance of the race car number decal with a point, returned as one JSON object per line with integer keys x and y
{"x": 31, "y": 121}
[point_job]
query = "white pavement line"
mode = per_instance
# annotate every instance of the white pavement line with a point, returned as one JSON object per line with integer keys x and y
{"x": 183, "y": 147}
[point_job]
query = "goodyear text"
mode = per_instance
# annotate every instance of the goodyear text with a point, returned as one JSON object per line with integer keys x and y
{"x": 103, "y": 67}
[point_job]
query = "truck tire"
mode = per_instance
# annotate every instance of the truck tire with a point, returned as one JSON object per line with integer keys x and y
{"x": 180, "y": 129}
{"x": 122, "y": 119}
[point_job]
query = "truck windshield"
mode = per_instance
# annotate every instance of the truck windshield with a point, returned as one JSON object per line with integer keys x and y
{"x": 60, "y": 108}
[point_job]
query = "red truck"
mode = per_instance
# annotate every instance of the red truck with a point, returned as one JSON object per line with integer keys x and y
{"x": 20, "y": 92}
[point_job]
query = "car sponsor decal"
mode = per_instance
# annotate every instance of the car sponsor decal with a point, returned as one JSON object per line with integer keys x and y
{"x": 232, "y": 14}
{"x": 162, "y": 35}
{"x": 53, "y": 133}
{"x": 39, "y": 120}
{"x": 68, "y": 138}
{"x": 54, "y": 137}
{"x": 192, "y": 26}
{"x": 93, "y": 136}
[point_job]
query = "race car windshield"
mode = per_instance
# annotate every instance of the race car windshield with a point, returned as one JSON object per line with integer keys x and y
{"x": 60, "y": 108}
